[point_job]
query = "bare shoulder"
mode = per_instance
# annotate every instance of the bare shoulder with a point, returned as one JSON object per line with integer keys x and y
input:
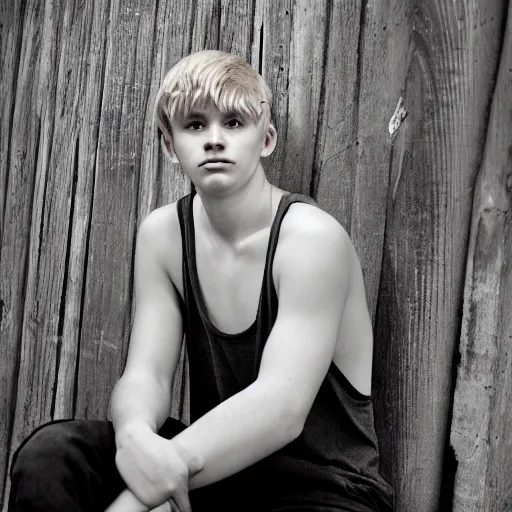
{"x": 161, "y": 231}
{"x": 309, "y": 233}
{"x": 162, "y": 220}
{"x": 303, "y": 219}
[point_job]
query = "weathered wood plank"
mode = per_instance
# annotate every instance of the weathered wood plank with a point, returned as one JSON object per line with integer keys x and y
{"x": 270, "y": 55}
{"x": 236, "y": 27}
{"x": 24, "y": 154}
{"x": 481, "y": 424}
{"x": 107, "y": 299}
{"x": 59, "y": 95}
{"x": 433, "y": 169}
{"x": 309, "y": 19}
{"x": 335, "y": 159}
{"x": 93, "y": 39}
{"x": 206, "y": 23}
{"x": 380, "y": 52}
{"x": 353, "y": 146}
{"x": 161, "y": 182}
{"x": 45, "y": 339}
{"x": 11, "y": 14}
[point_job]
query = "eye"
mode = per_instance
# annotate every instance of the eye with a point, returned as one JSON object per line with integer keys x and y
{"x": 194, "y": 125}
{"x": 234, "y": 123}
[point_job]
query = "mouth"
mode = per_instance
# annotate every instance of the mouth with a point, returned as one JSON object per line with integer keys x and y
{"x": 215, "y": 162}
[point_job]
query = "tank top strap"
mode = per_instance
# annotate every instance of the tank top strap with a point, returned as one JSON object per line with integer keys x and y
{"x": 184, "y": 207}
{"x": 286, "y": 201}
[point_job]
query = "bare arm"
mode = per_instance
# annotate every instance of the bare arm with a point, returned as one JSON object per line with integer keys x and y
{"x": 143, "y": 394}
{"x": 142, "y": 398}
{"x": 312, "y": 266}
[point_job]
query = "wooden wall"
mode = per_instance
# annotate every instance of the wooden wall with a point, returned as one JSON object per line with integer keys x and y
{"x": 429, "y": 208}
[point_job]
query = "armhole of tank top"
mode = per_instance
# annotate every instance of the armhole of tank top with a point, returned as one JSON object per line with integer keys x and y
{"x": 342, "y": 380}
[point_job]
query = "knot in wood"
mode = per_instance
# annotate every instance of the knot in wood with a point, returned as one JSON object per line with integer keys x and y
{"x": 509, "y": 183}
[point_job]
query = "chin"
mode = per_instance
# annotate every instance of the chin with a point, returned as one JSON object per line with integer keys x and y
{"x": 216, "y": 184}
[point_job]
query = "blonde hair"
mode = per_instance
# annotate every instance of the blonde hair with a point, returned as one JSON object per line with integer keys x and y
{"x": 210, "y": 76}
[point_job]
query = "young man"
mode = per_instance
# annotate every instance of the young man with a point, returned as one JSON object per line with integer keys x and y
{"x": 269, "y": 292}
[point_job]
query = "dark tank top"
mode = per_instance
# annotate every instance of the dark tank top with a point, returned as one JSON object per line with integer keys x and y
{"x": 333, "y": 464}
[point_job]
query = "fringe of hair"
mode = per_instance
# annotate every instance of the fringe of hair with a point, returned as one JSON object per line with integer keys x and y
{"x": 212, "y": 77}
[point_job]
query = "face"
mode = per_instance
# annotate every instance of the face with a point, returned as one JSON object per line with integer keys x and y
{"x": 220, "y": 150}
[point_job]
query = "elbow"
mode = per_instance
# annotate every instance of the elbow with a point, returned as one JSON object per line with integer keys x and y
{"x": 293, "y": 422}
{"x": 295, "y": 430}
{"x": 285, "y": 414}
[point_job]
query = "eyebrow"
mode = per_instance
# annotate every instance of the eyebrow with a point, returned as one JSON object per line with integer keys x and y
{"x": 232, "y": 113}
{"x": 193, "y": 113}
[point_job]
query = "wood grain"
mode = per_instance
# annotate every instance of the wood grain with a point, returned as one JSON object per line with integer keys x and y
{"x": 481, "y": 425}
{"x": 236, "y": 27}
{"x": 108, "y": 282}
{"x": 304, "y": 84}
{"x": 270, "y": 55}
{"x": 91, "y": 33}
{"x": 24, "y": 157}
{"x": 206, "y": 23}
{"x": 335, "y": 158}
{"x": 433, "y": 170}
{"x": 59, "y": 87}
{"x": 378, "y": 89}
{"x": 11, "y": 14}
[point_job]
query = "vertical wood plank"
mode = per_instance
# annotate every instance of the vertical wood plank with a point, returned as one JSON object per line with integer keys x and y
{"x": 91, "y": 34}
{"x": 161, "y": 182}
{"x": 11, "y": 14}
{"x": 108, "y": 289}
{"x": 335, "y": 160}
{"x": 23, "y": 157}
{"x": 45, "y": 291}
{"x": 447, "y": 86}
{"x": 381, "y": 51}
{"x": 270, "y": 55}
{"x": 236, "y": 27}
{"x": 206, "y": 23}
{"x": 481, "y": 425}
{"x": 308, "y": 41}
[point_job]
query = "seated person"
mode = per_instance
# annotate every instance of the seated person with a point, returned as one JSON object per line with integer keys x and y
{"x": 269, "y": 291}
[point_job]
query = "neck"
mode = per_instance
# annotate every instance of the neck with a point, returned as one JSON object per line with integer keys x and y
{"x": 234, "y": 216}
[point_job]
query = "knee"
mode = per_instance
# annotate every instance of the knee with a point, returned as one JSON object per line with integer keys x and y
{"x": 44, "y": 448}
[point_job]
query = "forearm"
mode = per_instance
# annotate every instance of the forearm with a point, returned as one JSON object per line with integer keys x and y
{"x": 237, "y": 433}
{"x": 139, "y": 399}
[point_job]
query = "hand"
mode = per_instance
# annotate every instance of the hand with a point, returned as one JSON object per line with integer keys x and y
{"x": 127, "y": 502}
{"x": 152, "y": 468}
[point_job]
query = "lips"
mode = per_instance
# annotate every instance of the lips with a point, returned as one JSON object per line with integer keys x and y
{"x": 215, "y": 162}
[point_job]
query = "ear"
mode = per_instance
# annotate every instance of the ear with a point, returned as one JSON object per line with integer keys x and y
{"x": 168, "y": 149}
{"x": 270, "y": 141}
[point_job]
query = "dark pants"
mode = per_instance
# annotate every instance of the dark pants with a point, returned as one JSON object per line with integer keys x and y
{"x": 69, "y": 466}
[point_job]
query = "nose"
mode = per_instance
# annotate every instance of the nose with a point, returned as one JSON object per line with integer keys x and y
{"x": 214, "y": 138}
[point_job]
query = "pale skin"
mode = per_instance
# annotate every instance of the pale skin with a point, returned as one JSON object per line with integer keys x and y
{"x": 322, "y": 317}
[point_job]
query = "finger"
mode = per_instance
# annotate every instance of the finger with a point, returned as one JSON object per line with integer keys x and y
{"x": 172, "y": 506}
{"x": 164, "y": 507}
{"x": 194, "y": 467}
{"x": 182, "y": 500}
{"x": 126, "y": 502}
